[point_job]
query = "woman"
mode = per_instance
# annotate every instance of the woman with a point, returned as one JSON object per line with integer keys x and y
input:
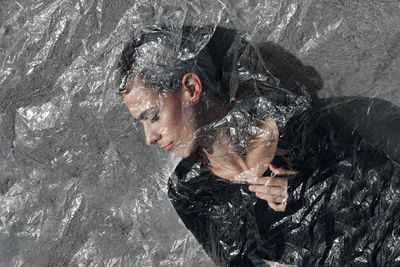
{"x": 214, "y": 103}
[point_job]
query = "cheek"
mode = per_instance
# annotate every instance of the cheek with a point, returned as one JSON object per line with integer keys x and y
{"x": 177, "y": 120}
{"x": 172, "y": 115}
{"x": 175, "y": 127}
{"x": 170, "y": 124}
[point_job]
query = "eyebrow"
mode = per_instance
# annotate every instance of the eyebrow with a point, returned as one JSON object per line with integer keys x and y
{"x": 125, "y": 90}
{"x": 145, "y": 113}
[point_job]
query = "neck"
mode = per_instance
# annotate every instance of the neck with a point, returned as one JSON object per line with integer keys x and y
{"x": 221, "y": 154}
{"x": 248, "y": 164}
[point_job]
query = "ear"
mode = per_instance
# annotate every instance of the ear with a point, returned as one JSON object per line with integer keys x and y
{"x": 192, "y": 86}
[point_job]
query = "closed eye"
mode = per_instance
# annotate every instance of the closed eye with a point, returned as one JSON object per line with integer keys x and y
{"x": 154, "y": 118}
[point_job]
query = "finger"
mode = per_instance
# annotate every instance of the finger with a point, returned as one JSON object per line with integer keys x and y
{"x": 266, "y": 197}
{"x": 277, "y": 207}
{"x": 272, "y": 198}
{"x": 280, "y": 199}
{"x": 270, "y": 181}
{"x": 272, "y": 190}
{"x": 281, "y": 171}
{"x": 277, "y": 191}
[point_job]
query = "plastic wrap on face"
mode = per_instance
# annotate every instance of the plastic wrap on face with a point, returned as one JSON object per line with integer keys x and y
{"x": 79, "y": 187}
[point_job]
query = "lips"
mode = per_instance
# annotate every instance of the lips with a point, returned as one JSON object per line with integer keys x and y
{"x": 168, "y": 147}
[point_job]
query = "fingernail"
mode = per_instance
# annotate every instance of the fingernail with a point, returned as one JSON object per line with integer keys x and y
{"x": 250, "y": 188}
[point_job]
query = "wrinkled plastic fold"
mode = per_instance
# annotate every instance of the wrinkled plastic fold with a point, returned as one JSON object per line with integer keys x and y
{"x": 307, "y": 86}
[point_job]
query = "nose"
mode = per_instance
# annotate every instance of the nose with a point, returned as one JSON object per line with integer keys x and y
{"x": 151, "y": 134}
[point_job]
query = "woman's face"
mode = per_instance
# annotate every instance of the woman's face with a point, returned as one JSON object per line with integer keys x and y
{"x": 168, "y": 121}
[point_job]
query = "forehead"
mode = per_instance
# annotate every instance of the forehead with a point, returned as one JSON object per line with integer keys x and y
{"x": 138, "y": 97}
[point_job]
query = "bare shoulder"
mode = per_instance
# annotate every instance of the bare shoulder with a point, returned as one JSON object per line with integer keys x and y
{"x": 262, "y": 147}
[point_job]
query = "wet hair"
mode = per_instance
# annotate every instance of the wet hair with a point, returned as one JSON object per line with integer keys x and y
{"x": 162, "y": 56}
{"x": 228, "y": 66}
{"x": 291, "y": 72}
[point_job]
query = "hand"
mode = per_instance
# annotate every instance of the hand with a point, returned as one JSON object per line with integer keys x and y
{"x": 272, "y": 189}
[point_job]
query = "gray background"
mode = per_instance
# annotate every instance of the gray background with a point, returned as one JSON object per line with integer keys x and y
{"x": 78, "y": 186}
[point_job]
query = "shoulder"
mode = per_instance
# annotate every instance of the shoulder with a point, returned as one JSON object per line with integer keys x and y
{"x": 187, "y": 178}
{"x": 183, "y": 167}
{"x": 179, "y": 175}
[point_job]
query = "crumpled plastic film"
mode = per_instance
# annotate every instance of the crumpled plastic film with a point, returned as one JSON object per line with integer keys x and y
{"x": 80, "y": 187}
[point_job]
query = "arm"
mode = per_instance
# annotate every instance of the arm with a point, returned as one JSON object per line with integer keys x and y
{"x": 262, "y": 147}
{"x": 260, "y": 152}
{"x": 216, "y": 237}
{"x": 192, "y": 215}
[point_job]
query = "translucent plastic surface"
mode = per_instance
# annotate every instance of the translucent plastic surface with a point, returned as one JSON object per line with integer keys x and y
{"x": 80, "y": 187}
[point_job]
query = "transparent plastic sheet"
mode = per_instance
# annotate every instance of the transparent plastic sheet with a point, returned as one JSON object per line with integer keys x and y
{"x": 78, "y": 185}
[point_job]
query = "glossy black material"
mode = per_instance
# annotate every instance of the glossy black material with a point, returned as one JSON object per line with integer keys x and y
{"x": 343, "y": 206}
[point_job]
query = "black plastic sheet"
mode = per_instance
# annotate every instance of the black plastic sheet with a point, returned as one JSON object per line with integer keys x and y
{"x": 78, "y": 185}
